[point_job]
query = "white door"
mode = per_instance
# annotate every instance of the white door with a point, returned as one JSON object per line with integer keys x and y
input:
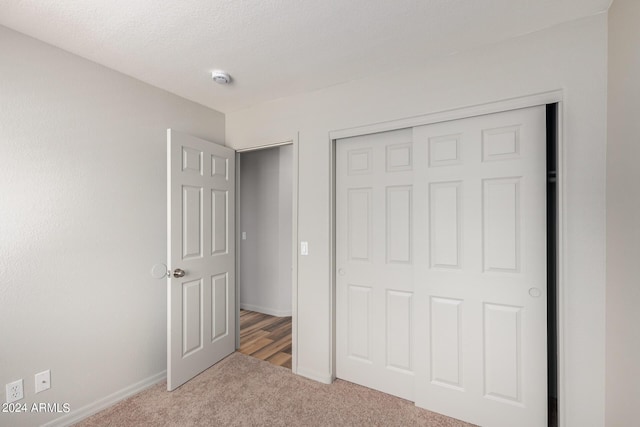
{"x": 201, "y": 286}
{"x": 481, "y": 280}
{"x": 374, "y": 179}
{"x": 478, "y": 260}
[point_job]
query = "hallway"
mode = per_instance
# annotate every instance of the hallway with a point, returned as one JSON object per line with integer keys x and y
{"x": 266, "y": 337}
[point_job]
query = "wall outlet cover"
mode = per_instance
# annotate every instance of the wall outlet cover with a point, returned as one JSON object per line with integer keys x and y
{"x": 15, "y": 391}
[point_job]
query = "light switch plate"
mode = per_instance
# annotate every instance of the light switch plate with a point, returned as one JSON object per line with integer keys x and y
{"x": 304, "y": 248}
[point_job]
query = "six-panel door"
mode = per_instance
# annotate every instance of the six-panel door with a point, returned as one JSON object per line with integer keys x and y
{"x": 375, "y": 262}
{"x": 201, "y": 304}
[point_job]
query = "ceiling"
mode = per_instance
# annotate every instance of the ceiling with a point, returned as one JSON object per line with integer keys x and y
{"x": 276, "y": 48}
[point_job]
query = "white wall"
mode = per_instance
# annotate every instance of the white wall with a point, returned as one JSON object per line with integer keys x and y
{"x": 623, "y": 215}
{"x": 571, "y": 57}
{"x": 266, "y": 214}
{"x": 82, "y": 220}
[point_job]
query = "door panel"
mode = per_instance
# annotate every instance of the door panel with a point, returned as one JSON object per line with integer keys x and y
{"x": 445, "y": 225}
{"x": 359, "y": 322}
{"x": 201, "y": 319}
{"x": 399, "y": 331}
{"x": 445, "y": 353}
{"x": 359, "y": 224}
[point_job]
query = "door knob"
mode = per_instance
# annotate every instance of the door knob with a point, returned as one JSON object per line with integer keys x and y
{"x": 178, "y": 272}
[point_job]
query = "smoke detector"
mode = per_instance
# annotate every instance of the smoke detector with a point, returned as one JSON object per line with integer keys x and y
{"x": 220, "y": 77}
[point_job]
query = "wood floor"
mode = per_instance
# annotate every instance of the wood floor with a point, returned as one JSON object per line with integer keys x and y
{"x": 266, "y": 337}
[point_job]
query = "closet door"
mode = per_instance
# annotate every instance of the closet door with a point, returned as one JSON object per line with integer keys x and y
{"x": 480, "y": 268}
{"x": 374, "y": 254}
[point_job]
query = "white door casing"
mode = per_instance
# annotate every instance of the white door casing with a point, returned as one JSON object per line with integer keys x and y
{"x": 201, "y": 229}
{"x": 477, "y": 245}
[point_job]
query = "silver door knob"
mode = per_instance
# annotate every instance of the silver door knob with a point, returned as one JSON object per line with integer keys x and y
{"x": 178, "y": 272}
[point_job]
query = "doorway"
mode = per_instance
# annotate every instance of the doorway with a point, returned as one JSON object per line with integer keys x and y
{"x": 265, "y": 253}
{"x": 266, "y": 337}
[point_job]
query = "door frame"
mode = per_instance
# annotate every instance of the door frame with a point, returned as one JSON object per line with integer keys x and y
{"x": 294, "y": 242}
{"x": 537, "y": 99}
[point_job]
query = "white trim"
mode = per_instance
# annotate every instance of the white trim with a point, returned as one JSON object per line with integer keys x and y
{"x": 332, "y": 256}
{"x": 294, "y": 262}
{"x": 550, "y": 97}
{"x": 312, "y": 375}
{"x": 452, "y": 114}
{"x": 238, "y": 247}
{"x": 86, "y": 411}
{"x": 262, "y": 147}
{"x": 562, "y": 301}
{"x": 266, "y": 310}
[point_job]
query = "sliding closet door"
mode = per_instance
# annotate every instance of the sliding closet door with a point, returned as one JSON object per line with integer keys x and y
{"x": 441, "y": 266}
{"x": 480, "y": 271}
{"x": 375, "y": 262}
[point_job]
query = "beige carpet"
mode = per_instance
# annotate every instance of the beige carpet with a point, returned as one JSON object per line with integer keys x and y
{"x": 244, "y": 391}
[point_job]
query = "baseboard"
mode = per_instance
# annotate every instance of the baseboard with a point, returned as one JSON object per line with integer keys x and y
{"x": 86, "y": 411}
{"x": 265, "y": 310}
{"x": 322, "y": 378}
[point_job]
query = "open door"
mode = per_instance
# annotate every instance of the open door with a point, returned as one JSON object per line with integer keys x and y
{"x": 201, "y": 254}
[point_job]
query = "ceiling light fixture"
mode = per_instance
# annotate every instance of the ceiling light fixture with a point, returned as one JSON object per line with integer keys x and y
{"x": 220, "y": 77}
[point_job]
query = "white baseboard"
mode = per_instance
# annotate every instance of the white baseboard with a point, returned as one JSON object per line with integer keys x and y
{"x": 265, "y": 310}
{"x": 86, "y": 411}
{"x": 322, "y": 378}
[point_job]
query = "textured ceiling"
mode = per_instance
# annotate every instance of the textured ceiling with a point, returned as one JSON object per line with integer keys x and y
{"x": 275, "y": 48}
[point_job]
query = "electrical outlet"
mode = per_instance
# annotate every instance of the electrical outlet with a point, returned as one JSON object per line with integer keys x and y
{"x": 43, "y": 381}
{"x": 15, "y": 391}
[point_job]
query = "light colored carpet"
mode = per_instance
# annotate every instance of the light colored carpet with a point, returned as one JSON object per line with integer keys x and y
{"x": 244, "y": 391}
